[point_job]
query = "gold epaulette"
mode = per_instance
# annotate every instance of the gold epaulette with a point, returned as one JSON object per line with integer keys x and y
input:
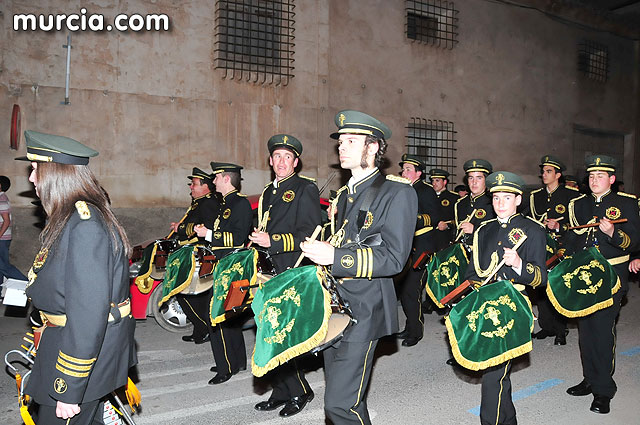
{"x": 453, "y": 193}
{"x": 427, "y": 183}
{"x": 307, "y": 178}
{"x": 537, "y": 190}
{"x": 572, "y": 188}
{"x": 83, "y": 210}
{"x": 398, "y": 179}
{"x": 241, "y": 194}
{"x": 628, "y": 195}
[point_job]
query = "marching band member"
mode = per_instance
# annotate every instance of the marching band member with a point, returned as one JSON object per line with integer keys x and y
{"x": 475, "y": 208}
{"x": 491, "y": 243}
{"x": 229, "y": 230}
{"x": 410, "y": 290}
{"x": 372, "y": 233}
{"x": 447, "y": 201}
{"x": 80, "y": 282}
{"x": 289, "y": 211}
{"x": 597, "y": 331}
{"x": 549, "y": 206}
{"x": 204, "y": 208}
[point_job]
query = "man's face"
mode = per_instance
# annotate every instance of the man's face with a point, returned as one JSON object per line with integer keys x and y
{"x": 198, "y": 188}
{"x": 218, "y": 181}
{"x": 505, "y": 204}
{"x": 351, "y": 150}
{"x": 283, "y": 162}
{"x": 438, "y": 184}
{"x": 409, "y": 172}
{"x": 475, "y": 180}
{"x": 550, "y": 175}
{"x": 600, "y": 182}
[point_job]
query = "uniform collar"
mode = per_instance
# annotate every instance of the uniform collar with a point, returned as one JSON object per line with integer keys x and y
{"x": 551, "y": 193}
{"x": 506, "y": 220}
{"x": 599, "y": 199}
{"x": 473, "y": 198}
{"x": 224, "y": 197}
{"x": 277, "y": 183}
{"x": 352, "y": 185}
{"x": 203, "y": 196}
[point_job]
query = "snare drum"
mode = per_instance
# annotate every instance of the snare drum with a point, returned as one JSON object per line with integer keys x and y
{"x": 237, "y": 297}
{"x": 202, "y": 279}
{"x": 164, "y": 247}
{"x": 341, "y": 316}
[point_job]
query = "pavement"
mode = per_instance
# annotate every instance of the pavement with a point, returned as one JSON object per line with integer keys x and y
{"x": 409, "y": 385}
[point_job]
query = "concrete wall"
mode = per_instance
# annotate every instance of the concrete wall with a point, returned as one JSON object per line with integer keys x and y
{"x": 154, "y": 106}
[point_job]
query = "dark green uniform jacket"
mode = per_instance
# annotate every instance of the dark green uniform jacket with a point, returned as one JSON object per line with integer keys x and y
{"x": 233, "y": 224}
{"x": 365, "y": 270}
{"x": 82, "y": 277}
{"x": 465, "y": 206}
{"x": 555, "y": 204}
{"x": 203, "y": 210}
{"x": 489, "y": 241}
{"x": 626, "y": 236}
{"x": 428, "y": 217}
{"x": 293, "y": 214}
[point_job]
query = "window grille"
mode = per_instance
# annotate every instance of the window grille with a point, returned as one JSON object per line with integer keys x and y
{"x": 434, "y": 142}
{"x": 593, "y": 60}
{"x": 432, "y": 22}
{"x": 254, "y": 40}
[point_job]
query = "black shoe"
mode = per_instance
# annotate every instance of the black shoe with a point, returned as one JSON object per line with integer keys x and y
{"x": 427, "y": 308}
{"x": 220, "y": 378}
{"x": 215, "y": 369}
{"x": 403, "y": 334}
{"x": 583, "y": 388}
{"x": 600, "y": 404}
{"x": 270, "y": 404}
{"x": 543, "y": 334}
{"x": 410, "y": 342}
{"x": 560, "y": 340}
{"x": 452, "y": 362}
{"x": 202, "y": 340}
{"x": 296, "y": 404}
{"x": 188, "y": 338}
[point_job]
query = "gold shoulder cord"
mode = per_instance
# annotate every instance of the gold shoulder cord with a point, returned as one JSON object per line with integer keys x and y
{"x": 574, "y": 221}
{"x": 476, "y": 258}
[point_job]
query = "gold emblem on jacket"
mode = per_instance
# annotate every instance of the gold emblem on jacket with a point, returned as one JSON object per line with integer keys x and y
{"x": 445, "y": 202}
{"x": 368, "y": 221}
{"x": 515, "y": 235}
{"x": 480, "y": 213}
{"x": 288, "y": 196}
{"x": 560, "y": 209}
{"x": 613, "y": 213}
{"x": 347, "y": 261}
{"x": 60, "y": 386}
{"x": 226, "y": 214}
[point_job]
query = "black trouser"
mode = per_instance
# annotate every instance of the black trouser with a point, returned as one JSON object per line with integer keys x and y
{"x": 227, "y": 344}
{"x": 89, "y": 415}
{"x": 196, "y": 307}
{"x": 288, "y": 381}
{"x": 347, "y": 369}
{"x": 496, "y": 406}
{"x": 411, "y": 300}
{"x": 597, "y": 334}
{"x": 548, "y": 317}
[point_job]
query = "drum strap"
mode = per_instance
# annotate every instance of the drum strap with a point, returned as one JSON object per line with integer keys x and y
{"x": 372, "y": 193}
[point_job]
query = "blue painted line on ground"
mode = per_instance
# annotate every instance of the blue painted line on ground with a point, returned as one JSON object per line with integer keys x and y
{"x": 631, "y": 352}
{"x": 526, "y": 392}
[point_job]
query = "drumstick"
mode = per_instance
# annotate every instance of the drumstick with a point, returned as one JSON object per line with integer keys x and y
{"x": 501, "y": 263}
{"x": 466, "y": 220}
{"x": 313, "y": 237}
{"x": 583, "y": 226}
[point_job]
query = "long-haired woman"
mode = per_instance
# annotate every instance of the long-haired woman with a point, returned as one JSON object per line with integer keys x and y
{"x": 79, "y": 282}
